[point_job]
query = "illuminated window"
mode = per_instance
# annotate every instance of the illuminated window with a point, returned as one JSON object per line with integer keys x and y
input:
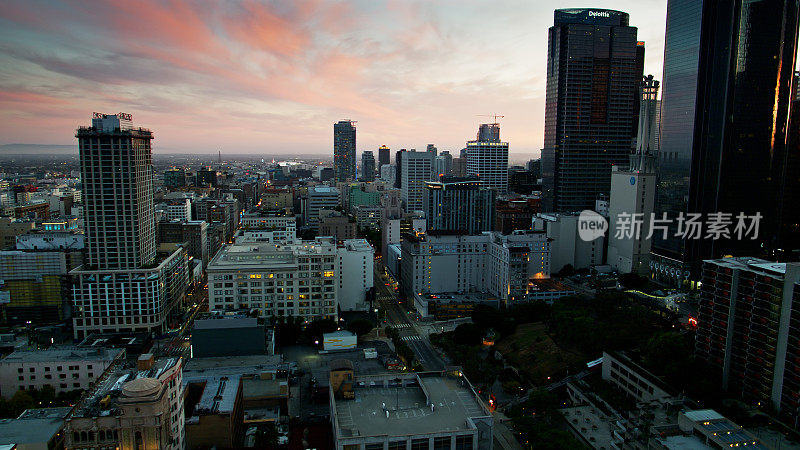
{"x": 255, "y": 275}
{"x": 328, "y": 273}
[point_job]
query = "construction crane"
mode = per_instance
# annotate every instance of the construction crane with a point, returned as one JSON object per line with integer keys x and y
{"x": 495, "y": 116}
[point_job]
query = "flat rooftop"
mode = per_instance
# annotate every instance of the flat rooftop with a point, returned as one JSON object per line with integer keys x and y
{"x": 409, "y": 413}
{"x": 33, "y": 426}
{"x": 63, "y": 354}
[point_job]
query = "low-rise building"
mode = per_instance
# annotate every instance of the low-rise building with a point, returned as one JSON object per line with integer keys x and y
{"x": 62, "y": 369}
{"x": 298, "y": 279}
{"x": 356, "y": 264}
{"x": 34, "y": 429}
{"x": 621, "y": 371}
{"x": 231, "y": 335}
{"x": 340, "y": 226}
{"x": 130, "y": 301}
{"x": 418, "y": 410}
{"x": 132, "y": 409}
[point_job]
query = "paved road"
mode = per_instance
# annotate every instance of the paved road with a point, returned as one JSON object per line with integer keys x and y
{"x": 398, "y": 317}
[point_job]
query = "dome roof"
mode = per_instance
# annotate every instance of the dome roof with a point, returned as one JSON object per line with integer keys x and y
{"x": 141, "y": 387}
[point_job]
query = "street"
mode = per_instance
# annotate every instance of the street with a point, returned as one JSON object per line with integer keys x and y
{"x": 397, "y": 316}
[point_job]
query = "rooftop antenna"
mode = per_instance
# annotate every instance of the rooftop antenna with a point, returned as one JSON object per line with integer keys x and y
{"x": 219, "y": 157}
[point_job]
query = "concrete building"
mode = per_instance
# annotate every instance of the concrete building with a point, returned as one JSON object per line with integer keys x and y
{"x": 416, "y": 170}
{"x": 368, "y": 216}
{"x": 34, "y": 429}
{"x": 340, "y": 226}
{"x": 344, "y": 150}
{"x": 394, "y": 227}
{"x": 443, "y": 165}
{"x": 129, "y": 301}
{"x": 628, "y": 376}
{"x": 356, "y": 260}
{"x": 194, "y": 233}
{"x": 269, "y": 220}
{"x": 489, "y": 263}
{"x": 64, "y": 370}
{"x": 34, "y": 284}
{"x": 515, "y": 214}
{"x": 119, "y": 223}
{"x": 487, "y": 158}
{"x": 132, "y": 409}
{"x": 179, "y": 210}
{"x": 219, "y": 335}
{"x": 416, "y": 411}
{"x": 319, "y": 197}
{"x": 746, "y": 329}
{"x": 215, "y": 416}
{"x": 252, "y": 236}
{"x": 633, "y": 191}
{"x": 277, "y": 280}
{"x": 565, "y": 243}
{"x": 11, "y": 228}
{"x": 461, "y": 205}
{"x": 388, "y": 174}
{"x": 277, "y": 198}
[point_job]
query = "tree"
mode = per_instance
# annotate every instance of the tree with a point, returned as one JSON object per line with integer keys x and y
{"x": 317, "y": 328}
{"x": 467, "y": 334}
{"x": 360, "y": 327}
{"x": 486, "y": 316}
{"x": 632, "y": 281}
{"x": 566, "y": 271}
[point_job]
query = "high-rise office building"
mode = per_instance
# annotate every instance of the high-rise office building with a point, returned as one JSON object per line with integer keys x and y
{"x": 127, "y": 284}
{"x": 444, "y": 164}
{"x": 384, "y": 156}
{"x": 117, "y": 177}
{"x": 487, "y": 158}
{"x": 460, "y": 205}
{"x": 367, "y": 166}
{"x": 415, "y": 170}
{"x": 746, "y": 329}
{"x": 398, "y": 163}
{"x": 432, "y": 149}
{"x": 593, "y": 76}
{"x": 344, "y": 150}
{"x": 732, "y": 136}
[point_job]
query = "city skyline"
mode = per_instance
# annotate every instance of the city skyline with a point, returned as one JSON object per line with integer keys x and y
{"x": 210, "y": 79}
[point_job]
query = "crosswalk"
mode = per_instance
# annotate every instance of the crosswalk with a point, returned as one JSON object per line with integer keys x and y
{"x": 402, "y": 325}
{"x": 411, "y": 338}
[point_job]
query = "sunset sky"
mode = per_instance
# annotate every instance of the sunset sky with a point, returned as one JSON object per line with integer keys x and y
{"x": 273, "y": 77}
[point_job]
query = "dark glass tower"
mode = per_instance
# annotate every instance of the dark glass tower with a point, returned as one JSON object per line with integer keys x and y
{"x": 383, "y": 156}
{"x": 738, "y": 145}
{"x": 367, "y": 166}
{"x": 344, "y": 150}
{"x": 593, "y": 74}
{"x": 678, "y": 96}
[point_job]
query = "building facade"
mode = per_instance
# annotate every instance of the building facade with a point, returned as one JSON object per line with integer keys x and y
{"x": 487, "y": 158}
{"x": 117, "y": 180}
{"x": 747, "y": 328}
{"x": 281, "y": 280}
{"x": 367, "y": 166}
{"x": 459, "y": 205}
{"x": 592, "y": 81}
{"x": 344, "y": 150}
{"x": 416, "y": 170}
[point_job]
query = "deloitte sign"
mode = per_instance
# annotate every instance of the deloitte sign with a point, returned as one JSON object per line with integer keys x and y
{"x": 599, "y": 14}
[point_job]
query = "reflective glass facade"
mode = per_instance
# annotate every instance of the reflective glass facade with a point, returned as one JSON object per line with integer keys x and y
{"x": 593, "y": 74}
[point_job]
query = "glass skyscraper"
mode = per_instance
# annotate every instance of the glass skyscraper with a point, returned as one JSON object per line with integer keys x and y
{"x": 344, "y": 150}
{"x": 594, "y": 66}
{"x": 731, "y": 156}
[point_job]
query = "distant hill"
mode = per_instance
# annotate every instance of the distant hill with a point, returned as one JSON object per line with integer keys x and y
{"x": 38, "y": 149}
